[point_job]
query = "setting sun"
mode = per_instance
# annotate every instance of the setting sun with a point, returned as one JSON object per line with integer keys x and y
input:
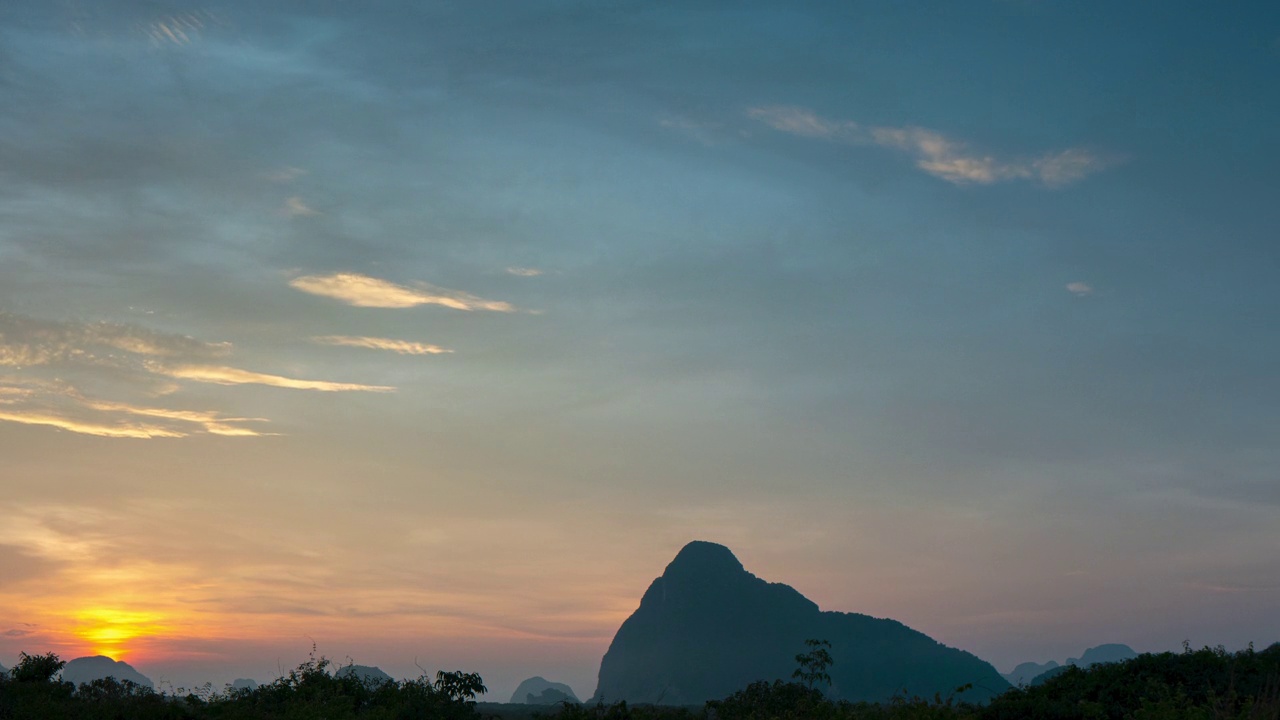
{"x": 108, "y": 631}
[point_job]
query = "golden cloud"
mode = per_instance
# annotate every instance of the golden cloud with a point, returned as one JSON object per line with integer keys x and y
{"x": 31, "y": 342}
{"x": 364, "y": 291}
{"x": 61, "y": 405}
{"x": 404, "y": 347}
{"x": 222, "y": 375}
{"x": 87, "y": 428}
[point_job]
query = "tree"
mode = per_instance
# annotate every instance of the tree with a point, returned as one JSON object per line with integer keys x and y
{"x": 814, "y": 664}
{"x": 36, "y": 668}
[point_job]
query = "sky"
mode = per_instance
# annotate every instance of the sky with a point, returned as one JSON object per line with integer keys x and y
{"x": 426, "y": 333}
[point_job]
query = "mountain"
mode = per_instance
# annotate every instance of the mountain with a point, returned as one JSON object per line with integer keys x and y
{"x": 707, "y": 628}
{"x": 539, "y": 691}
{"x": 1028, "y": 671}
{"x": 87, "y": 669}
{"x": 368, "y": 675}
{"x": 1110, "y": 652}
{"x": 244, "y": 684}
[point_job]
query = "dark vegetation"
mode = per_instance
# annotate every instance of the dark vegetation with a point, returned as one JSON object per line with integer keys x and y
{"x": 310, "y": 691}
{"x": 1208, "y": 684}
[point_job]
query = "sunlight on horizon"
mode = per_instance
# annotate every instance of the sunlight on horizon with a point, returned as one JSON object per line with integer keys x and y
{"x": 109, "y": 631}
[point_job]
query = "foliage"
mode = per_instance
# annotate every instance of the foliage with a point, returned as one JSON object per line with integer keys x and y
{"x": 36, "y": 668}
{"x": 307, "y": 692}
{"x": 1208, "y": 684}
{"x": 814, "y": 664}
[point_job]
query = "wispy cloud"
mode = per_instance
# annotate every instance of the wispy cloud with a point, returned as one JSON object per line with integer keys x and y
{"x": 121, "y": 430}
{"x": 297, "y": 207}
{"x": 285, "y": 174}
{"x": 211, "y": 422}
{"x": 404, "y": 347}
{"x": 805, "y": 123}
{"x": 364, "y": 291}
{"x": 28, "y": 342}
{"x": 222, "y": 375}
{"x": 524, "y": 271}
{"x": 1079, "y": 289}
{"x": 180, "y": 29}
{"x": 59, "y": 404}
{"x": 52, "y": 363}
{"x": 948, "y": 159}
{"x": 943, "y": 157}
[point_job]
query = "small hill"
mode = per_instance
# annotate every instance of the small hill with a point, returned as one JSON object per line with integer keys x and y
{"x": 1111, "y": 652}
{"x": 707, "y": 628}
{"x": 87, "y": 669}
{"x": 1028, "y": 671}
{"x": 369, "y": 675}
{"x": 244, "y": 684}
{"x": 540, "y": 691}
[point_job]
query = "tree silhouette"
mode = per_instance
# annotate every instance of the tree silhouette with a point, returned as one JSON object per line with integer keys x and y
{"x": 814, "y": 664}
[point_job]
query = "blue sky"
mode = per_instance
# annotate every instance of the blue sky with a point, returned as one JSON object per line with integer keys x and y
{"x": 952, "y": 312}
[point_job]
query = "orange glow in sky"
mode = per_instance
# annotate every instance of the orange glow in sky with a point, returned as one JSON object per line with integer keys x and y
{"x": 110, "y": 631}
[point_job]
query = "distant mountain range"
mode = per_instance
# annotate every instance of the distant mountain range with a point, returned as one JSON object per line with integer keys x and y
{"x": 540, "y": 691}
{"x": 1030, "y": 673}
{"x": 707, "y": 628}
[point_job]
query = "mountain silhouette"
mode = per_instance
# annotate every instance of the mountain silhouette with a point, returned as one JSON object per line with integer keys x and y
{"x": 87, "y": 669}
{"x": 1025, "y": 672}
{"x": 540, "y": 691}
{"x": 1110, "y": 652}
{"x": 367, "y": 674}
{"x": 707, "y": 628}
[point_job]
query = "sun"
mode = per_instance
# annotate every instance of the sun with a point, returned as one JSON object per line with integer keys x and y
{"x": 109, "y": 631}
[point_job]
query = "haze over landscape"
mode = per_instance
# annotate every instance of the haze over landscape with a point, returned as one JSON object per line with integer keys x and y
{"x": 430, "y": 332}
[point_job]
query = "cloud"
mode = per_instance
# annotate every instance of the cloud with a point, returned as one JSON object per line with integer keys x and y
{"x": 53, "y": 360}
{"x": 404, "y": 347}
{"x": 805, "y": 123}
{"x": 210, "y": 421}
{"x": 221, "y": 375}
{"x": 297, "y": 207}
{"x": 285, "y": 175}
{"x": 1068, "y": 166}
{"x": 364, "y": 291}
{"x": 180, "y": 29}
{"x": 1080, "y": 289}
{"x": 123, "y": 430}
{"x": 946, "y": 158}
{"x": 707, "y": 133}
{"x": 524, "y": 271}
{"x": 60, "y": 405}
{"x": 30, "y": 342}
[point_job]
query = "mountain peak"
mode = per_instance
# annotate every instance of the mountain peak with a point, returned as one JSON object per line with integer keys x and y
{"x": 707, "y": 627}
{"x": 700, "y": 558}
